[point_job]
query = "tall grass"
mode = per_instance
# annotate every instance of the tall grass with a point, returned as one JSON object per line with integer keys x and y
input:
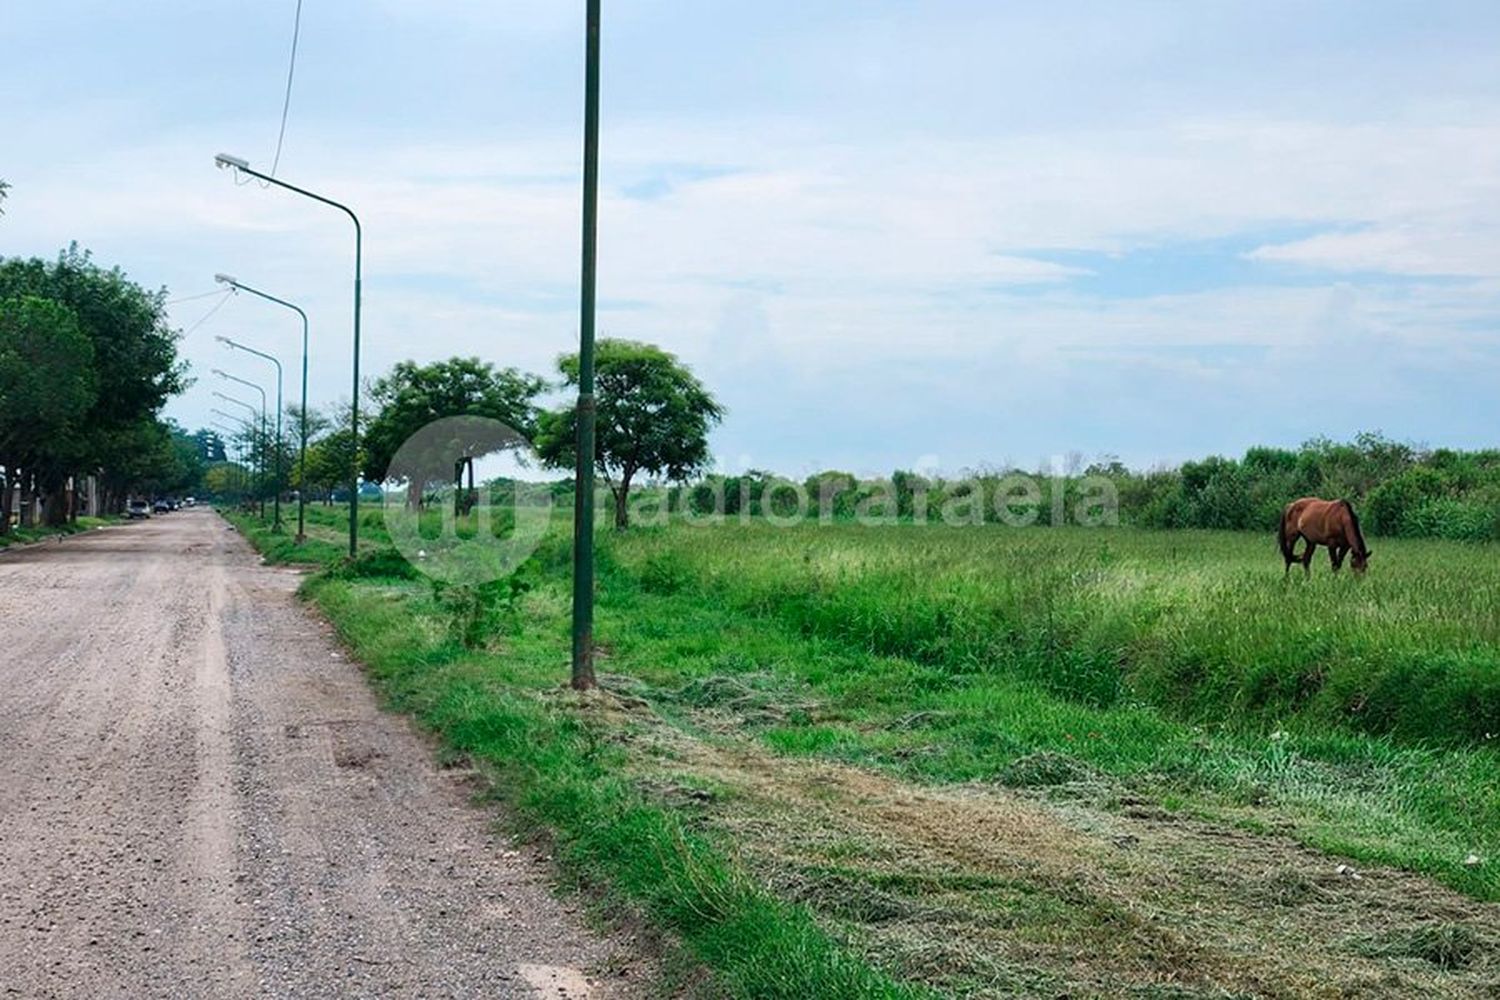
{"x": 1201, "y": 624}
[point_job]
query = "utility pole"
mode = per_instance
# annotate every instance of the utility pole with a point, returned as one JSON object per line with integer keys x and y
{"x": 583, "y": 499}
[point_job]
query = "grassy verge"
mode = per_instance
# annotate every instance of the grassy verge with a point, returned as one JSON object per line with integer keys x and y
{"x": 550, "y": 755}
{"x": 23, "y": 536}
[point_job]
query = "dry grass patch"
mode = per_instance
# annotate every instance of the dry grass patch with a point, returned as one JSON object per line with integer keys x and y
{"x": 1068, "y": 890}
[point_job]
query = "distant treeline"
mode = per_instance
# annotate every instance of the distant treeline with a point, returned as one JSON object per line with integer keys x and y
{"x": 1398, "y": 489}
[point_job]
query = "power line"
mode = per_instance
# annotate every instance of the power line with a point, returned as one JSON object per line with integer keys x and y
{"x": 286, "y": 103}
{"x": 190, "y": 298}
{"x": 204, "y": 318}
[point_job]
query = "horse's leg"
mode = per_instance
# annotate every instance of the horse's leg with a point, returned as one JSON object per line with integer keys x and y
{"x": 1336, "y": 556}
{"x": 1307, "y": 557}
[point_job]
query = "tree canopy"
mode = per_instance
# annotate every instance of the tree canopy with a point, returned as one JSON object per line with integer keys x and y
{"x": 413, "y": 396}
{"x": 47, "y": 383}
{"x": 105, "y": 346}
{"x": 653, "y": 417}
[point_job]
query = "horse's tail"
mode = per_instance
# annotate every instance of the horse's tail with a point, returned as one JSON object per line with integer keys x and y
{"x": 1359, "y": 536}
{"x": 1281, "y": 537}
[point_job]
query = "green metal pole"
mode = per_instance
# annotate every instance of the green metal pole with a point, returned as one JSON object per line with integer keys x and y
{"x": 264, "y": 405}
{"x": 583, "y": 500}
{"x": 354, "y": 401}
{"x": 302, "y": 446}
{"x": 251, "y": 422}
{"x": 276, "y": 517}
{"x": 240, "y": 165}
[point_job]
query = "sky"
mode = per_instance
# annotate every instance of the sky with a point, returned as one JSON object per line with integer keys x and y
{"x": 886, "y": 234}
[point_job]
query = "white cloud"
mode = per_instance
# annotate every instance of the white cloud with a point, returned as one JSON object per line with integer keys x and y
{"x": 800, "y": 258}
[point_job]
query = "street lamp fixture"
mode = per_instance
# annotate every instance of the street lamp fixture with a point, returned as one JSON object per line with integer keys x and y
{"x": 259, "y": 473}
{"x": 237, "y": 286}
{"x": 239, "y": 165}
{"x": 237, "y": 346}
{"x": 263, "y": 421}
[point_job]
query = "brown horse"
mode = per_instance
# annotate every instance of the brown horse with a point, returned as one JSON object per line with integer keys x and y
{"x": 1322, "y": 522}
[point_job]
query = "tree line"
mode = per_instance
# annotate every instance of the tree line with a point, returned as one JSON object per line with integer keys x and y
{"x": 87, "y": 361}
{"x": 655, "y": 416}
{"x": 653, "y": 421}
{"x": 1399, "y": 489}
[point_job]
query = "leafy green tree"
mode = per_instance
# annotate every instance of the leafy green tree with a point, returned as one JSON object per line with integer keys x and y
{"x": 330, "y": 454}
{"x": 412, "y": 396}
{"x": 135, "y": 365}
{"x": 210, "y": 446}
{"x": 46, "y": 387}
{"x": 653, "y": 417}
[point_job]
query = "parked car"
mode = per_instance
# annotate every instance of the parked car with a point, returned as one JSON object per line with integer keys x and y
{"x": 189, "y": 502}
{"x": 137, "y": 508}
{"x": 162, "y": 506}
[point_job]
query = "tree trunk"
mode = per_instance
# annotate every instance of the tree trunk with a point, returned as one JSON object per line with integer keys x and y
{"x": 55, "y": 508}
{"x": 622, "y": 503}
{"x": 28, "y": 508}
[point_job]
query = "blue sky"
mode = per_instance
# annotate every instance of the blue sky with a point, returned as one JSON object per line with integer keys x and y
{"x": 940, "y": 234}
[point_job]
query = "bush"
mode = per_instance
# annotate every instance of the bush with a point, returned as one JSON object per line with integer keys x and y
{"x": 1393, "y": 503}
{"x": 1457, "y": 520}
{"x": 382, "y": 564}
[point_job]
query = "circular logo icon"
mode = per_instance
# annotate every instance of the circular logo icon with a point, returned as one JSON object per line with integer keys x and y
{"x": 453, "y": 526}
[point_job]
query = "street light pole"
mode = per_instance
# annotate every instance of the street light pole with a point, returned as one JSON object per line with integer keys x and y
{"x": 276, "y": 503}
{"x": 238, "y": 455}
{"x": 583, "y": 499}
{"x": 223, "y": 160}
{"x": 264, "y": 472}
{"x": 240, "y": 402}
{"x": 302, "y": 446}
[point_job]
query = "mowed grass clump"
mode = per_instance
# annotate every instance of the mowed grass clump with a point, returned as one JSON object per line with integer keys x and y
{"x": 1201, "y": 624}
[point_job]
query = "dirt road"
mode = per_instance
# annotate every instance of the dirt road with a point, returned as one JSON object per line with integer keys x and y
{"x": 200, "y": 798}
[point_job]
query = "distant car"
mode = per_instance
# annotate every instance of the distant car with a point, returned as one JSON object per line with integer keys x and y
{"x": 137, "y": 508}
{"x": 161, "y": 507}
{"x": 189, "y": 502}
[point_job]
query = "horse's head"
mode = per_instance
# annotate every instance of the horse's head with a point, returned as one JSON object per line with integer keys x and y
{"x": 1359, "y": 560}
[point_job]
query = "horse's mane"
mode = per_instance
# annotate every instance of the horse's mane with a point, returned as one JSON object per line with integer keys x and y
{"x": 1354, "y": 519}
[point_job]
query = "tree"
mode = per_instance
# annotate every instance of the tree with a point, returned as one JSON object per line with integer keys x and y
{"x": 330, "y": 454}
{"x": 653, "y": 417}
{"x": 135, "y": 368}
{"x": 413, "y": 396}
{"x": 46, "y": 387}
{"x": 210, "y": 446}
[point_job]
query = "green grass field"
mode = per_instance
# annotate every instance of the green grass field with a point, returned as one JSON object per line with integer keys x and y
{"x": 841, "y": 760}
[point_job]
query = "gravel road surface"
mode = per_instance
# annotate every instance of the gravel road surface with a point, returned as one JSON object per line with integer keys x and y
{"x": 200, "y": 798}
